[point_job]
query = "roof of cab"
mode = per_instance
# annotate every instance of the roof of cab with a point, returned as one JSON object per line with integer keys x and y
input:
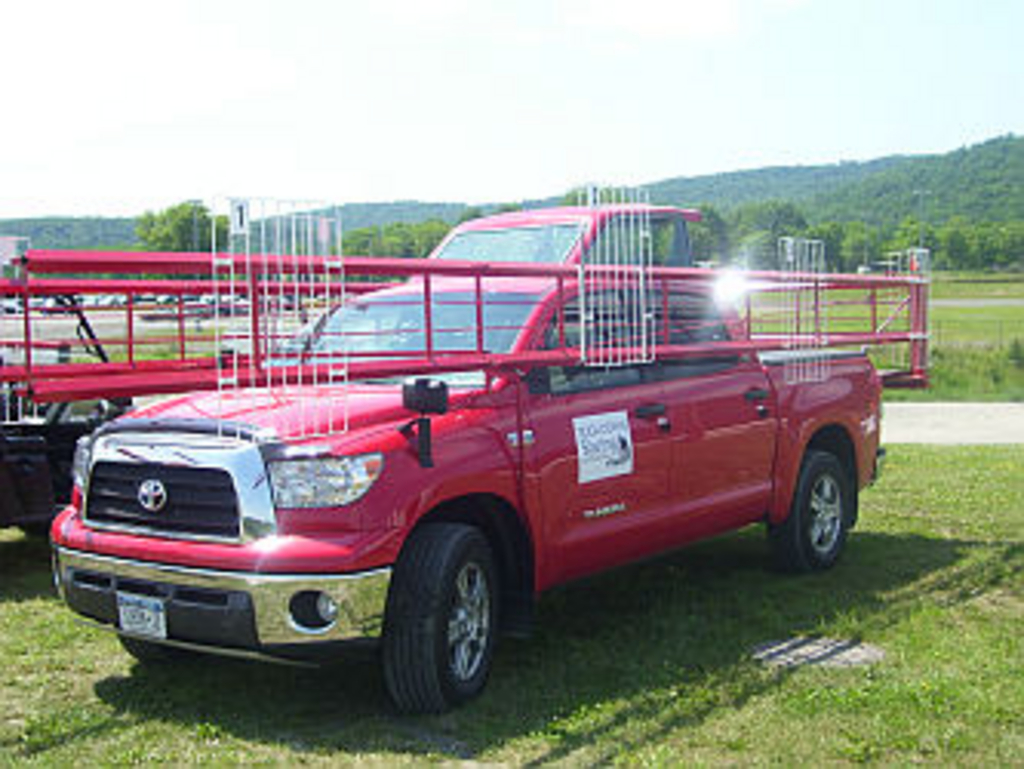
{"x": 567, "y": 214}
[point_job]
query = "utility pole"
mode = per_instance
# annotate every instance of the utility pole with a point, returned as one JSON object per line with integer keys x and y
{"x": 920, "y": 216}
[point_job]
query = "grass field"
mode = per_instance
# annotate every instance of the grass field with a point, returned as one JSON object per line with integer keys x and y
{"x": 970, "y": 374}
{"x": 977, "y": 285}
{"x": 977, "y": 352}
{"x": 647, "y": 665}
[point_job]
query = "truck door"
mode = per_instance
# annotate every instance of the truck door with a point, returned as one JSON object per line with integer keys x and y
{"x": 599, "y": 459}
{"x": 724, "y": 424}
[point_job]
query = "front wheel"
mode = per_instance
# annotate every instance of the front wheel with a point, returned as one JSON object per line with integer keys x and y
{"x": 813, "y": 535}
{"x": 441, "y": 621}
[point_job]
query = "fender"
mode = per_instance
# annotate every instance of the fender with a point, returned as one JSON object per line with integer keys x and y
{"x": 803, "y": 417}
{"x": 791, "y": 455}
{"x": 473, "y": 455}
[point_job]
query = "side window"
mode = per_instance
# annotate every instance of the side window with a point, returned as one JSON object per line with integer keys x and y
{"x": 692, "y": 318}
{"x": 614, "y": 316}
{"x": 670, "y": 241}
{"x": 564, "y": 380}
{"x": 696, "y": 367}
{"x": 688, "y": 317}
{"x": 571, "y": 311}
{"x": 670, "y": 238}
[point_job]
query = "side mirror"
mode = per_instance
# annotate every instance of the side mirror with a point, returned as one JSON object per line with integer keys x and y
{"x": 425, "y": 396}
{"x": 538, "y": 380}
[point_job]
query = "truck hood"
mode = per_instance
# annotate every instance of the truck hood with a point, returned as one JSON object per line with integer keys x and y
{"x": 294, "y": 413}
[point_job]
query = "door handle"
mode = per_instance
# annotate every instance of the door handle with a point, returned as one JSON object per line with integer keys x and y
{"x": 655, "y": 411}
{"x": 756, "y": 394}
{"x": 650, "y": 411}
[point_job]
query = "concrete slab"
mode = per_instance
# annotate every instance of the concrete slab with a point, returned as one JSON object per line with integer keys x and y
{"x": 953, "y": 423}
{"x": 823, "y": 652}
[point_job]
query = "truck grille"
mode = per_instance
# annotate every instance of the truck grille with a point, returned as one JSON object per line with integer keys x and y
{"x": 197, "y": 501}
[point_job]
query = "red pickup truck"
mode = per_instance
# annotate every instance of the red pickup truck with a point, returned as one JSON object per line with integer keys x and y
{"x": 433, "y": 523}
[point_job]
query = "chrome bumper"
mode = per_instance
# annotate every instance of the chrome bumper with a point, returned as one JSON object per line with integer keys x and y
{"x": 360, "y": 598}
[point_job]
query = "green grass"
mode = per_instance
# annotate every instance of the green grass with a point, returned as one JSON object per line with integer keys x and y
{"x": 976, "y": 326}
{"x": 649, "y": 664}
{"x": 974, "y": 348}
{"x": 971, "y": 374}
{"x": 977, "y": 353}
{"x": 977, "y": 285}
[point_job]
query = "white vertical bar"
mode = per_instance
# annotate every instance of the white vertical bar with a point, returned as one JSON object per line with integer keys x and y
{"x": 636, "y": 273}
{"x": 215, "y": 270}
{"x": 641, "y": 278}
{"x": 313, "y": 251}
{"x": 280, "y": 319}
{"x": 631, "y": 265}
{"x": 344, "y": 349}
{"x": 635, "y": 269}
{"x": 609, "y": 281}
{"x": 621, "y": 257}
{"x": 296, "y": 278}
{"x": 303, "y": 251}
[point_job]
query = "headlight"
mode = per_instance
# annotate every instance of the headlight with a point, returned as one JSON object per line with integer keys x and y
{"x": 80, "y": 465}
{"x": 323, "y": 482}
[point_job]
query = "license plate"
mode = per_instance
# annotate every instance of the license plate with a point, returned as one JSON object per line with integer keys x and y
{"x": 141, "y": 615}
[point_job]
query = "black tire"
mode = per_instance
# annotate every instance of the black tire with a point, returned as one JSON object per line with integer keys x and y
{"x": 150, "y": 653}
{"x": 824, "y": 507}
{"x": 441, "y": 621}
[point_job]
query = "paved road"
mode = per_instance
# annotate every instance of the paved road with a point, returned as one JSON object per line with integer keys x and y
{"x": 953, "y": 423}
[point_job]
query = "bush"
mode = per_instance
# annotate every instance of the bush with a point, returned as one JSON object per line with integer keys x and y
{"x": 972, "y": 374}
{"x": 1017, "y": 353}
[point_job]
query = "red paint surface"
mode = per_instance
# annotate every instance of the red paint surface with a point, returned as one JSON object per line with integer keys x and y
{"x": 714, "y": 463}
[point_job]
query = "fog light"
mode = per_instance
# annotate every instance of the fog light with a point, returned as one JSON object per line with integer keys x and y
{"x": 312, "y": 611}
{"x": 326, "y": 608}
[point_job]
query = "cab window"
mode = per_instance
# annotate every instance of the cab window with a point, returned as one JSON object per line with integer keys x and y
{"x": 687, "y": 317}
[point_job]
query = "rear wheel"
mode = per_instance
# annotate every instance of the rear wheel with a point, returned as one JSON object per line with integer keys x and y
{"x": 824, "y": 505}
{"x": 441, "y": 622}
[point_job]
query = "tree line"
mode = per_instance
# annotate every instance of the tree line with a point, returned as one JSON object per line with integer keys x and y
{"x": 746, "y": 235}
{"x": 189, "y": 226}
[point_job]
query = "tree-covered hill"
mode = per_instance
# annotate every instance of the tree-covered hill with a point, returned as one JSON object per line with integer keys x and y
{"x": 359, "y": 215}
{"x": 73, "y": 232}
{"x": 981, "y": 183}
{"x": 121, "y": 232}
{"x": 797, "y": 184}
{"x": 984, "y": 182}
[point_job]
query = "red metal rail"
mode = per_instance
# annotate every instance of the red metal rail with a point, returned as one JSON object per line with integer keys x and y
{"x": 866, "y": 310}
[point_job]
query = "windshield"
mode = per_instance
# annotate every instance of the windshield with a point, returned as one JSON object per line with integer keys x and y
{"x": 547, "y": 244}
{"x": 395, "y": 324}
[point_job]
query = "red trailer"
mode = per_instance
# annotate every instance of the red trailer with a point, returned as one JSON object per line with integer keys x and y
{"x": 86, "y": 334}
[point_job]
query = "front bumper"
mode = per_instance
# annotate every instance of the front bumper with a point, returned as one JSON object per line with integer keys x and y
{"x": 879, "y": 464}
{"x": 224, "y": 611}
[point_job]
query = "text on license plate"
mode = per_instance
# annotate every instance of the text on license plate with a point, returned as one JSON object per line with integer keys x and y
{"x": 142, "y": 615}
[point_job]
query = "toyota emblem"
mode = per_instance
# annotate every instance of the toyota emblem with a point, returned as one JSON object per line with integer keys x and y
{"x": 152, "y": 495}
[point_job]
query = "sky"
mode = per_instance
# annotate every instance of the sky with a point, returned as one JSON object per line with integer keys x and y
{"x": 114, "y": 107}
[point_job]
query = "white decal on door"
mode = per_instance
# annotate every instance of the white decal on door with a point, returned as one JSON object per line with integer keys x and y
{"x": 604, "y": 446}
